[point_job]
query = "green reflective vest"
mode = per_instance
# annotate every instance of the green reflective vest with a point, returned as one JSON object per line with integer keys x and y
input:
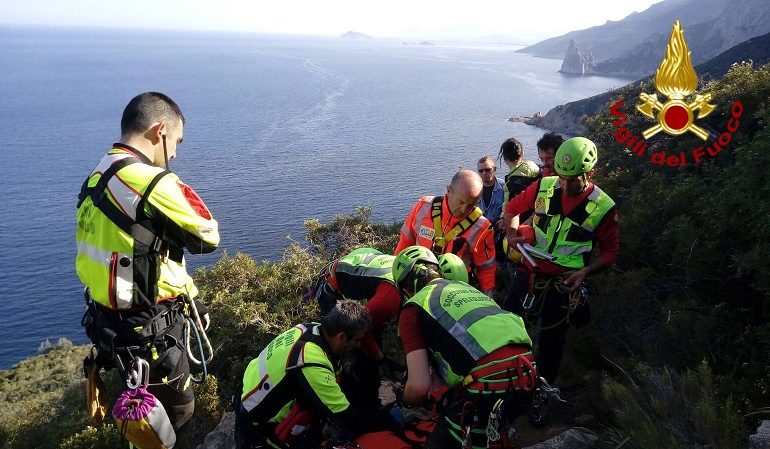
{"x": 270, "y": 383}
{"x": 519, "y": 178}
{"x": 124, "y": 258}
{"x": 461, "y": 325}
{"x": 568, "y": 237}
{"x": 359, "y": 273}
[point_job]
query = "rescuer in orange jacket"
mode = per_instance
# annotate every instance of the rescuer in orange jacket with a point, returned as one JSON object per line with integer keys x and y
{"x": 453, "y": 224}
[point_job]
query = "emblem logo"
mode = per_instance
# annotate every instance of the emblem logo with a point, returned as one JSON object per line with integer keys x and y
{"x": 566, "y": 159}
{"x": 675, "y": 79}
{"x": 426, "y": 232}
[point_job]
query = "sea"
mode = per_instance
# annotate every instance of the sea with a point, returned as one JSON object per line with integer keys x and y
{"x": 279, "y": 129}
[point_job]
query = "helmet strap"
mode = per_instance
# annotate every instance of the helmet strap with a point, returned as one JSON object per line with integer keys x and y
{"x": 165, "y": 150}
{"x": 585, "y": 182}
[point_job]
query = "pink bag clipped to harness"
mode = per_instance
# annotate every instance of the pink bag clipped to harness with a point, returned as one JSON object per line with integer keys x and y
{"x": 142, "y": 419}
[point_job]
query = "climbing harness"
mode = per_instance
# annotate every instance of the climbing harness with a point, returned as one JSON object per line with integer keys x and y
{"x": 439, "y": 239}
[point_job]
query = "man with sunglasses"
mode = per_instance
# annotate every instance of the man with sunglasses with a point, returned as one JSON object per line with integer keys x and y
{"x": 491, "y": 200}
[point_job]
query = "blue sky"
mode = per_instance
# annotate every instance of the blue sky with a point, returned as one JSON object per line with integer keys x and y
{"x": 527, "y": 20}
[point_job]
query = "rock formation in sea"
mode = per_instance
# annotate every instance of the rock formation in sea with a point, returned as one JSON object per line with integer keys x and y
{"x": 576, "y": 62}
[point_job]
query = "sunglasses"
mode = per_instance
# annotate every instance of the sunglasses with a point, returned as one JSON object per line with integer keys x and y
{"x": 484, "y": 170}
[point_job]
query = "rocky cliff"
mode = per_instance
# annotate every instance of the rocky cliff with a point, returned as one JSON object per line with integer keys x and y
{"x": 566, "y": 118}
{"x": 577, "y": 63}
{"x": 634, "y": 46}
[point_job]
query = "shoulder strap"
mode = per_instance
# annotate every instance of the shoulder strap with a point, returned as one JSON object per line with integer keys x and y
{"x": 294, "y": 361}
{"x": 465, "y": 223}
{"x": 142, "y": 229}
{"x": 439, "y": 240}
{"x": 98, "y": 194}
{"x": 99, "y": 187}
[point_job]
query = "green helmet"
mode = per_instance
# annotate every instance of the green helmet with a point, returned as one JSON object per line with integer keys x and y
{"x": 575, "y": 156}
{"x": 408, "y": 260}
{"x": 452, "y": 267}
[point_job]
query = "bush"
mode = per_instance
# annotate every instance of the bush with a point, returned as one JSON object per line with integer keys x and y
{"x": 658, "y": 409}
{"x": 692, "y": 291}
{"x": 103, "y": 437}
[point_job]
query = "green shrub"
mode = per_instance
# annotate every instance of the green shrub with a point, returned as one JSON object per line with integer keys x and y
{"x": 103, "y": 437}
{"x": 656, "y": 408}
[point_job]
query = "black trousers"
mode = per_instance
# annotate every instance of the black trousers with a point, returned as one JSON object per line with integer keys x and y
{"x": 250, "y": 435}
{"x": 176, "y": 394}
{"x": 552, "y": 312}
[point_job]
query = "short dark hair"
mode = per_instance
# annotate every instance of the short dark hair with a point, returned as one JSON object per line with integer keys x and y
{"x": 550, "y": 141}
{"x": 347, "y": 316}
{"x": 145, "y": 109}
{"x": 511, "y": 150}
{"x": 485, "y": 159}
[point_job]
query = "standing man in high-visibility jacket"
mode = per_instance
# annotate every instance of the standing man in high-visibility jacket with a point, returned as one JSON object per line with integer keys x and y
{"x": 135, "y": 218}
{"x": 480, "y": 351}
{"x": 454, "y": 224}
{"x": 571, "y": 214}
{"x": 291, "y": 386}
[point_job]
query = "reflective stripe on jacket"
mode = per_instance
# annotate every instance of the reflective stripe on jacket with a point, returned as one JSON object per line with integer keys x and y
{"x": 270, "y": 382}
{"x": 120, "y": 271}
{"x": 357, "y": 275}
{"x": 569, "y": 238}
{"x": 461, "y": 326}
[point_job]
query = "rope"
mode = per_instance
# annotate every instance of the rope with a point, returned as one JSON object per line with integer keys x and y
{"x": 198, "y": 325}
{"x": 195, "y": 323}
{"x": 190, "y": 324}
{"x": 544, "y": 288}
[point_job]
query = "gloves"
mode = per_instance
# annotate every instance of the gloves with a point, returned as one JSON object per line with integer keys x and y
{"x": 390, "y": 369}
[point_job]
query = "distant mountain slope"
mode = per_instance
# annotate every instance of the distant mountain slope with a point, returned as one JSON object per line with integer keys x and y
{"x": 355, "y": 35}
{"x": 566, "y": 118}
{"x": 615, "y": 38}
{"x": 634, "y": 46}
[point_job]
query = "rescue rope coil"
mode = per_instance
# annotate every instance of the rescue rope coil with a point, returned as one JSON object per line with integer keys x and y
{"x": 193, "y": 322}
{"x": 532, "y": 301}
